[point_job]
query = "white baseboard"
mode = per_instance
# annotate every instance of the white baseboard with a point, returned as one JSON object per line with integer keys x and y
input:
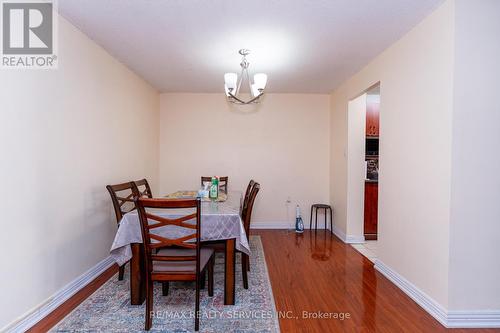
{"x": 284, "y": 225}
{"x": 287, "y": 225}
{"x": 277, "y": 225}
{"x": 339, "y": 233}
{"x": 450, "y": 319}
{"x": 272, "y": 225}
{"x": 34, "y": 316}
{"x": 474, "y": 319}
{"x": 349, "y": 239}
{"x": 425, "y": 301}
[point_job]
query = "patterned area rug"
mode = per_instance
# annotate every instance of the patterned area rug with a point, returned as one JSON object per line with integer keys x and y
{"x": 109, "y": 309}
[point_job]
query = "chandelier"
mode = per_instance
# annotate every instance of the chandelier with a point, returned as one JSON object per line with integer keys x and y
{"x": 232, "y": 84}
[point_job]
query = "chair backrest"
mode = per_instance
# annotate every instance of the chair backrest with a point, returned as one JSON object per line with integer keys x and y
{"x": 223, "y": 181}
{"x": 247, "y": 195}
{"x": 121, "y": 194}
{"x": 146, "y": 192}
{"x": 247, "y": 211}
{"x": 188, "y": 232}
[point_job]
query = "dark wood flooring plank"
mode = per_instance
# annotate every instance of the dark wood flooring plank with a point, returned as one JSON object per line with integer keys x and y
{"x": 318, "y": 272}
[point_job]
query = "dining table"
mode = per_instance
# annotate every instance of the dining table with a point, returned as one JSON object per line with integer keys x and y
{"x": 220, "y": 221}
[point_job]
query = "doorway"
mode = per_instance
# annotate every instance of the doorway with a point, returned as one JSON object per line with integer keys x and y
{"x": 363, "y": 170}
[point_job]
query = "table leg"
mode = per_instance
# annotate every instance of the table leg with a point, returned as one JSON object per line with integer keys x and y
{"x": 229, "y": 280}
{"x": 137, "y": 277}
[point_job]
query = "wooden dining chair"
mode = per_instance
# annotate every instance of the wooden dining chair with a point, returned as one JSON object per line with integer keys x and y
{"x": 143, "y": 192}
{"x": 178, "y": 259}
{"x": 247, "y": 218}
{"x": 223, "y": 182}
{"x": 247, "y": 194}
{"x": 122, "y": 197}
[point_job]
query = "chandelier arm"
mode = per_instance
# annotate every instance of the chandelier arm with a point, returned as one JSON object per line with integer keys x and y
{"x": 253, "y": 100}
{"x": 236, "y": 98}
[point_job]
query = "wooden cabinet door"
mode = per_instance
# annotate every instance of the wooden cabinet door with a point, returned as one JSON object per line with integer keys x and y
{"x": 372, "y": 118}
{"x": 371, "y": 210}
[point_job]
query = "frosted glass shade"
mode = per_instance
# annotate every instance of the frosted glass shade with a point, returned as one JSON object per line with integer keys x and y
{"x": 260, "y": 80}
{"x": 255, "y": 90}
{"x": 230, "y": 79}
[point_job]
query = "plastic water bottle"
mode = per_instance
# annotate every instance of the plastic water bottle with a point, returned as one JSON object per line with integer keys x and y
{"x": 214, "y": 189}
{"x": 299, "y": 224}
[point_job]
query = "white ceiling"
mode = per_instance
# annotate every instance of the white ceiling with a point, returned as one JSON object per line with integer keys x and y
{"x": 305, "y": 46}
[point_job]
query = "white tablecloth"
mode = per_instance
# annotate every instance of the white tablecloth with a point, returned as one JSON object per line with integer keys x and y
{"x": 219, "y": 220}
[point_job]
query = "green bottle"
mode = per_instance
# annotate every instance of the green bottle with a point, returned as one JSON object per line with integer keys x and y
{"x": 214, "y": 188}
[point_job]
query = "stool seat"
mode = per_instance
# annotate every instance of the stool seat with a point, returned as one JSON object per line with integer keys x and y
{"x": 321, "y": 206}
{"x": 327, "y": 208}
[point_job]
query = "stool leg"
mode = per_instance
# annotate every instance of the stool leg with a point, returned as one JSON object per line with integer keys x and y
{"x": 316, "y": 220}
{"x": 311, "y": 219}
{"x": 325, "y": 218}
{"x": 331, "y": 219}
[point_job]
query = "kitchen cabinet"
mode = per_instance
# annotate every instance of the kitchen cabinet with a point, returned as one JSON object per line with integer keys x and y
{"x": 371, "y": 210}
{"x": 372, "y": 118}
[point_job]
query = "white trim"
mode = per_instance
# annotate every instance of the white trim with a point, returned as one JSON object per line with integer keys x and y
{"x": 29, "y": 320}
{"x": 474, "y": 319}
{"x": 348, "y": 239}
{"x": 277, "y": 225}
{"x": 425, "y": 301}
{"x": 339, "y": 233}
{"x": 455, "y": 319}
{"x": 351, "y": 239}
{"x": 272, "y": 225}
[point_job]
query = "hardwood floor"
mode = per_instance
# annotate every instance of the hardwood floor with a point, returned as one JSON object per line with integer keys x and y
{"x": 316, "y": 272}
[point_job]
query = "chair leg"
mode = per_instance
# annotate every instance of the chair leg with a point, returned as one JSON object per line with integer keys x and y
{"x": 325, "y": 218}
{"x": 197, "y": 306}
{"x": 149, "y": 305}
{"x": 311, "y": 219}
{"x": 164, "y": 288}
{"x": 121, "y": 272}
{"x": 247, "y": 258}
{"x": 203, "y": 279}
{"x": 211, "y": 277}
{"x": 244, "y": 270}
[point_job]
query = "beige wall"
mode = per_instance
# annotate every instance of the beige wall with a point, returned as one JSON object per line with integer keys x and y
{"x": 64, "y": 135}
{"x": 475, "y": 195}
{"x": 416, "y": 75}
{"x": 283, "y": 145}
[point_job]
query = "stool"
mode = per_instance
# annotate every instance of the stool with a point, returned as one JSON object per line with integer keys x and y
{"x": 320, "y": 206}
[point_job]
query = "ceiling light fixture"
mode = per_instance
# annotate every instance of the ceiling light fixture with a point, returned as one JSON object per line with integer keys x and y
{"x": 232, "y": 84}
